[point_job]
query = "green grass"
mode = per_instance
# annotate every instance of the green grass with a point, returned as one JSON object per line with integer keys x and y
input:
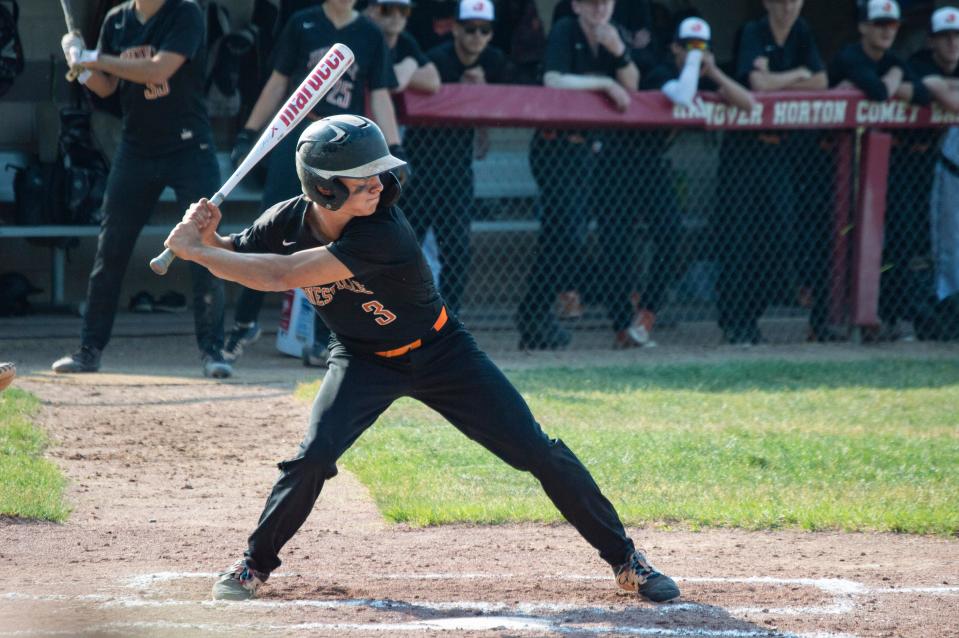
{"x": 759, "y": 445}
{"x": 30, "y": 486}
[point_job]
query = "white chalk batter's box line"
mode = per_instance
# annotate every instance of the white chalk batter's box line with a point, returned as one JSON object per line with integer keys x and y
{"x": 843, "y": 591}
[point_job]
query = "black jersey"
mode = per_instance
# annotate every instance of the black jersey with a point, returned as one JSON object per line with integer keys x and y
{"x": 758, "y": 41}
{"x": 923, "y": 141}
{"x": 406, "y": 47}
{"x": 923, "y": 64}
{"x": 853, "y": 64}
{"x": 568, "y": 51}
{"x": 306, "y": 38}
{"x": 389, "y": 302}
{"x": 491, "y": 60}
{"x": 161, "y": 118}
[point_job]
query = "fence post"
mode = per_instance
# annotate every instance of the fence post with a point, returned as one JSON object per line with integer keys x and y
{"x": 867, "y": 237}
{"x": 842, "y": 225}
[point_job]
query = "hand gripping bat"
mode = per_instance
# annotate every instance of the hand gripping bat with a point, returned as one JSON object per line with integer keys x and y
{"x": 319, "y": 81}
{"x": 69, "y": 18}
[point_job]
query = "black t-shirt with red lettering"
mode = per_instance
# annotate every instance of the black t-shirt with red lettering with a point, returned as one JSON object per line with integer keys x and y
{"x": 161, "y": 118}
{"x": 306, "y": 38}
{"x": 389, "y": 302}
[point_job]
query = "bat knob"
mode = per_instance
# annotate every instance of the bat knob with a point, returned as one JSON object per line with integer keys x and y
{"x": 161, "y": 264}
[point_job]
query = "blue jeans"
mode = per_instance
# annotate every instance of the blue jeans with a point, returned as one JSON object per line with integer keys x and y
{"x": 133, "y": 189}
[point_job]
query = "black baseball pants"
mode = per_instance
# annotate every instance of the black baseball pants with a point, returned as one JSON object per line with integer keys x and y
{"x": 133, "y": 189}
{"x": 454, "y": 377}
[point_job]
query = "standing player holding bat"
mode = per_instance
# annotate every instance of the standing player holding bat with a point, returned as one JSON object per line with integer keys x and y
{"x": 354, "y": 254}
{"x": 305, "y": 39}
{"x": 153, "y": 52}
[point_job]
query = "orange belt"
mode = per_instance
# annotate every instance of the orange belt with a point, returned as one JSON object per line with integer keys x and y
{"x": 399, "y": 352}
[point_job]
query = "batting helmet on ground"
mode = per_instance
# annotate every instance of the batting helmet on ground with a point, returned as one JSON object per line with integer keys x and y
{"x": 342, "y": 146}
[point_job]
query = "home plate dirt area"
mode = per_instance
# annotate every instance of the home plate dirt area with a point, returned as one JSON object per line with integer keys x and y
{"x": 168, "y": 473}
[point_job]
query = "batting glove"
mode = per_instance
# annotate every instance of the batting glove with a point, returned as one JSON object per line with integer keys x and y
{"x": 72, "y": 45}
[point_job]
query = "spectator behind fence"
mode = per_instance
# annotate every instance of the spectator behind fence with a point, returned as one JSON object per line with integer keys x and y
{"x": 692, "y": 68}
{"x": 912, "y": 167}
{"x": 410, "y": 65}
{"x": 765, "y": 216}
{"x": 152, "y": 52}
{"x": 432, "y": 22}
{"x": 305, "y": 38}
{"x": 520, "y": 34}
{"x": 635, "y": 18}
{"x": 587, "y": 52}
{"x": 873, "y": 69}
{"x": 441, "y": 192}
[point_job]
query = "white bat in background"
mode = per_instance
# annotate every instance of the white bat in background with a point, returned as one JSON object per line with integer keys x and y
{"x": 319, "y": 81}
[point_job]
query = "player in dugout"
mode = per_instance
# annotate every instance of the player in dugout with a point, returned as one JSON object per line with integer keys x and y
{"x": 870, "y": 66}
{"x": 153, "y": 52}
{"x": 412, "y": 68}
{"x": 305, "y": 38}
{"x": 352, "y": 251}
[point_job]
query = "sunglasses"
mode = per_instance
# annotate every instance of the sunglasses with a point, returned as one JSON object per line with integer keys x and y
{"x": 394, "y": 9}
{"x": 474, "y": 29}
{"x": 696, "y": 45}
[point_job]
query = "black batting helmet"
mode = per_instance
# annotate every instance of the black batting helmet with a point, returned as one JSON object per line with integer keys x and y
{"x": 342, "y": 146}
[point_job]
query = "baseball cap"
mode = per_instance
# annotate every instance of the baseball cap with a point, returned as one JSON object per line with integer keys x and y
{"x": 881, "y": 11}
{"x": 945, "y": 19}
{"x": 694, "y": 29}
{"x": 476, "y": 10}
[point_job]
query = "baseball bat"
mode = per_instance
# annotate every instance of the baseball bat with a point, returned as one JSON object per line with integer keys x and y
{"x": 71, "y": 28}
{"x": 317, "y": 83}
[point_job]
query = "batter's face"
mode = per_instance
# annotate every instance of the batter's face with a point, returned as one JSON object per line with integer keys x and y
{"x": 364, "y": 195}
{"x": 594, "y": 12}
{"x": 945, "y": 48}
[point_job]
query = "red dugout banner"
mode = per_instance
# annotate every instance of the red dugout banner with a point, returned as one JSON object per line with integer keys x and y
{"x": 536, "y": 106}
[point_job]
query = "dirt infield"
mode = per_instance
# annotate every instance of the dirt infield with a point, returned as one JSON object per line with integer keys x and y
{"x": 168, "y": 472}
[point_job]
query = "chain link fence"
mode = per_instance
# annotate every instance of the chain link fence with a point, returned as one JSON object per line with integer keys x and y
{"x": 680, "y": 235}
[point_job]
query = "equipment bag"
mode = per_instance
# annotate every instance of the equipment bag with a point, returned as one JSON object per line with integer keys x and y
{"x": 81, "y": 174}
{"x": 233, "y": 65}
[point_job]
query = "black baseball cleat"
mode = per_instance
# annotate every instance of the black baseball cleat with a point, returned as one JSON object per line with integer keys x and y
{"x": 241, "y": 336}
{"x": 239, "y": 582}
{"x": 639, "y": 576}
{"x": 215, "y": 366}
{"x": 86, "y": 359}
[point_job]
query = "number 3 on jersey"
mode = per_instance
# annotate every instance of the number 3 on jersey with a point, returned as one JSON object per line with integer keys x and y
{"x": 383, "y": 316}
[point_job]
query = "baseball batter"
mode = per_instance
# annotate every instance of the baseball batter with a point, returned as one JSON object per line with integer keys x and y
{"x": 354, "y": 254}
